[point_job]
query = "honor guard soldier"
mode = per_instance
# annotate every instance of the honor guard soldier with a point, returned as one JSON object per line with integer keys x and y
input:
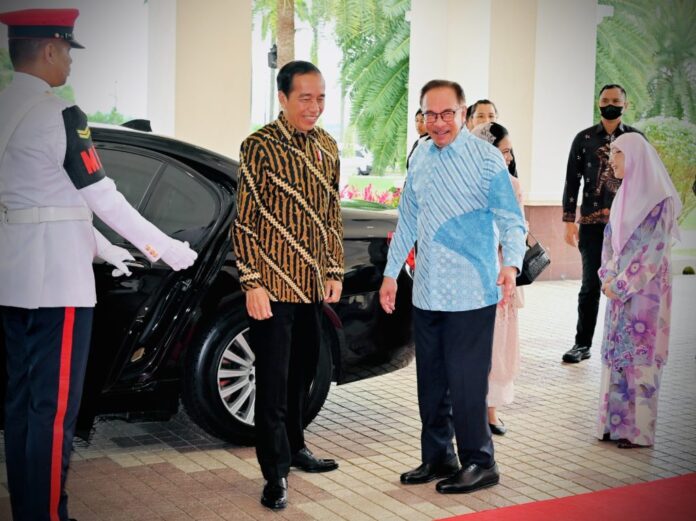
{"x": 51, "y": 180}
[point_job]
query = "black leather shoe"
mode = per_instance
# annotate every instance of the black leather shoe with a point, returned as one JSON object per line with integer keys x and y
{"x": 498, "y": 429}
{"x": 428, "y": 472}
{"x": 275, "y": 494}
{"x": 576, "y": 354}
{"x": 473, "y": 477}
{"x": 305, "y": 460}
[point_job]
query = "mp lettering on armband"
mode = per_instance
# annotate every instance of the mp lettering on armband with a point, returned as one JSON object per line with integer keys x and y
{"x": 82, "y": 161}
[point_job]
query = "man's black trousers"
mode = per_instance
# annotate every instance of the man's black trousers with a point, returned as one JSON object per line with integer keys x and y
{"x": 591, "y": 237}
{"x": 47, "y": 352}
{"x": 453, "y": 359}
{"x": 286, "y": 347}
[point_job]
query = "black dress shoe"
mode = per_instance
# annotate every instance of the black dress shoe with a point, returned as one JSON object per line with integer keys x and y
{"x": 473, "y": 477}
{"x": 498, "y": 429}
{"x": 275, "y": 494}
{"x": 576, "y": 354}
{"x": 428, "y": 472}
{"x": 305, "y": 460}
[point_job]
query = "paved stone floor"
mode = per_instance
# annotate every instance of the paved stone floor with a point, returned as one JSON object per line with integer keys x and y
{"x": 172, "y": 471}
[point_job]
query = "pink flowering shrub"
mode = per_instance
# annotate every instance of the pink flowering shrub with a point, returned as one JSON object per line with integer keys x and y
{"x": 389, "y": 198}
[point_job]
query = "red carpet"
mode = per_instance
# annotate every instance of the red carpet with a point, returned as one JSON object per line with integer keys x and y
{"x": 672, "y": 499}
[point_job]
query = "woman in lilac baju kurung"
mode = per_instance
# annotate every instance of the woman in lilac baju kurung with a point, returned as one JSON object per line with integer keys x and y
{"x": 636, "y": 277}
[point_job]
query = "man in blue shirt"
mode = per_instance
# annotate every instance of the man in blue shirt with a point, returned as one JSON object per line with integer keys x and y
{"x": 459, "y": 204}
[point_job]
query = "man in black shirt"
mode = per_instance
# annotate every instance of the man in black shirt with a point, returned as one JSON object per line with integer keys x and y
{"x": 588, "y": 163}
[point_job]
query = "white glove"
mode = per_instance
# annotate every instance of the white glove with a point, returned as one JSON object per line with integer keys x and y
{"x": 114, "y": 255}
{"x": 179, "y": 256}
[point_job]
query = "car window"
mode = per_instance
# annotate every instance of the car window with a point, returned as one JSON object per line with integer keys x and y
{"x": 181, "y": 205}
{"x": 132, "y": 174}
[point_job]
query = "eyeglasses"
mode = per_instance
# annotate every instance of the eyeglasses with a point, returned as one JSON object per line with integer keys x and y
{"x": 446, "y": 115}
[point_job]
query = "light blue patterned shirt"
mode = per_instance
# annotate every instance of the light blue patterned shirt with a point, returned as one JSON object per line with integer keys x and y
{"x": 459, "y": 204}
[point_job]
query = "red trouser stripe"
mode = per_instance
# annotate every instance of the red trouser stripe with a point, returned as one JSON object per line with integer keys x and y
{"x": 62, "y": 406}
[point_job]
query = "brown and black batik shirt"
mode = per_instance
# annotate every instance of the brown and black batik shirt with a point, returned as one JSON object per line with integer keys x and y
{"x": 588, "y": 164}
{"x": 288, "y": 233}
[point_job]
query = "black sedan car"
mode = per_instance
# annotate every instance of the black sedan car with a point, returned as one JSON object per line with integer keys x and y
{"x": 162, "y": 337}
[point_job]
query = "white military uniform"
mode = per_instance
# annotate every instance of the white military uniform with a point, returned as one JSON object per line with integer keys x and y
{"x": 47, "y": 242}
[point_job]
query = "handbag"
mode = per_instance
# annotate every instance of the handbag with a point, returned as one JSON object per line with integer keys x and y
{"x": 535, "y": 261}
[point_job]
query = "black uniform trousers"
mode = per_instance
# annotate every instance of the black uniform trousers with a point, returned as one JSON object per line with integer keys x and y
{"x": 47, "y": 352}
{"x": 591, "y": 237}
{"x": 286, "y": 347}
{"x": 453, "y": 359}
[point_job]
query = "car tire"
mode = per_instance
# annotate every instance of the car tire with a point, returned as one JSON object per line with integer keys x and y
{"x": 218, "y": 385}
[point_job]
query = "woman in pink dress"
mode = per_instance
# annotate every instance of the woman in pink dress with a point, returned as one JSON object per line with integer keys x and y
{"x": 505, "y": 360}
{"x": 636, "y": 278}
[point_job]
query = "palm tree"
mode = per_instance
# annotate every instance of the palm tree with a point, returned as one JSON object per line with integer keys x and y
{"x": 673, "y": 82}
{"x": 375, "y": 38}
{"x": 650, "y": 48}
{"x": 285, "y": 31}
{"x": 278, "y": 20}
{"x": 624, "y": 54}
{"x": 316, "y": 13}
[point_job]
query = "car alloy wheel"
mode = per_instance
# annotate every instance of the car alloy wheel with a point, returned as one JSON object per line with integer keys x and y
{"x": 219, "y": 384}
{"x": 236, "y": 378}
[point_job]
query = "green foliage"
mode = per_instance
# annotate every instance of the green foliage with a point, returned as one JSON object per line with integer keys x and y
{"x": 364, "y": 205}
{"x": 689, "y": 223}
{"x": 5, "y": 68}
{"x": 650, "y": 48}
{"x": 66, "y": 92}
{"x": 114, "y": 117}
{"x": 622, "y": 56}
{"x": 375, "y": 37}
{"x": 672, "y": 83}
{"x": 675, "y": 141}
{"x": 269, "y": 17}
{"x": 315, "y": 12}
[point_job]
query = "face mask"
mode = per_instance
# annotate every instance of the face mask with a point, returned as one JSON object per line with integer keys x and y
{"x": 611, "y": 112}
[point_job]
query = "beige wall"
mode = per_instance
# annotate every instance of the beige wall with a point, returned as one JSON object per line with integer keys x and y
{"x": 213, "y": 73}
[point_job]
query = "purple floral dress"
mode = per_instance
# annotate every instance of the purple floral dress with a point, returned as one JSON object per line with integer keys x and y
{"x": 636, "y": 328}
